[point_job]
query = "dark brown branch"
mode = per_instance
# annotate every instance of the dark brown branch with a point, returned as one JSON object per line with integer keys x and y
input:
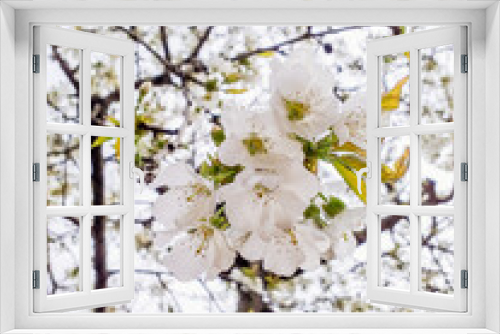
{"x": 302, "y": 37}
{"x": 196, "y": 51}
{"x": 156, "y": 130}
{"x": 168, "y": 66}
{"x": 70, "y": 73}
{"x": 164, "y": 42}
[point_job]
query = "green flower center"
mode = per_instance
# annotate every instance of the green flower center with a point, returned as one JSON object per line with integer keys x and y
{"x": 296, "y": 111}
{"x": 255, "y": 144}
{"x": 261, "y": 190}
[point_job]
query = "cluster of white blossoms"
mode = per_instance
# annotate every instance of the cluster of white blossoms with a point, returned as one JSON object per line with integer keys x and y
{"x": 265, "y": 209}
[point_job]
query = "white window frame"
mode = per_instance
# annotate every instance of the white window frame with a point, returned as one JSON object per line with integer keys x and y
{"x": 484, "y": 46}
{"x": 86, "y": 297}
{"x": 413, "y": 43}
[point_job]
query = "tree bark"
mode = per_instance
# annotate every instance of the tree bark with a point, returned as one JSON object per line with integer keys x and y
{"x": 98, "y": 226}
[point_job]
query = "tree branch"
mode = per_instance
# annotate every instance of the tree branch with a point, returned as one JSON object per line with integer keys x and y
{"x": 196, "y": 51}
{"x": 164, "y": 42}
{"x": 303, "y": 37}
{"x": 170, "y": 67}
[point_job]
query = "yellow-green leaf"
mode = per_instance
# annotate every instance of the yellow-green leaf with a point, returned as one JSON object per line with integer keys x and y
{"x": 236, "y": 90}
{"x": 389, "y": 175}
{"x": 114, "y": 121}
{"x": 352, "y": 161}
{"x": 351, "y": 148}
{"x": 99, "y": 141}
{"x": 390, "y": 100}
{"x": 350, "y": 178}
{"x": 266, "y": 54}
{"x": 232, "y": 77}
{"x": 117, "y": 148}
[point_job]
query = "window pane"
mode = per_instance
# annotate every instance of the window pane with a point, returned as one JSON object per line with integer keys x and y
{"x": 63, "y": 255}
{"x": 437, "y": 70}
{"x": 63, "y": 170}
{"x": 395, "y": 90}
{"x": 437, "y": 254}
{"x": 106, "y": 170}
{"x": 395, "y": 252}
{"x": 63, "y": 84}
{"x": 105, "y": 80}
{"x": 395, "y": 174}
{"x": 437, "y": 169}
{"x": 106, "y": 252}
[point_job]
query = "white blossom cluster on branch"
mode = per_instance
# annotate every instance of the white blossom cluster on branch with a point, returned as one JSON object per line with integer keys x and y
{"x": 259, "y": 196}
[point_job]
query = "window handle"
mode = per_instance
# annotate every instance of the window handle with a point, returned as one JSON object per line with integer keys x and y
{"x": 359, "y": 174}
{"x": 134, "y": 171}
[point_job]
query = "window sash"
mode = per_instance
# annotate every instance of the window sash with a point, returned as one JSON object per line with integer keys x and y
{"x": 413, "y": 43}
{"x": 86, "y": 297}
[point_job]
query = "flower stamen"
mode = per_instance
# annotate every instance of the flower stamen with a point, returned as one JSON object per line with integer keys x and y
{"x": 296, "y": 111}
{"x": 261, "y": 190}
{"x": 293, "y": 237}
{"x": 207, "y": 234}
{"x": 198, "y": 190}
{"x": 255, "y": 144}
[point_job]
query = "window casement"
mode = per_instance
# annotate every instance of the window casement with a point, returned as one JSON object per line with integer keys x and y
{"x": 105, "y": 147}
{"x": 87, "y": 216}
{"x": 407, "y": 135}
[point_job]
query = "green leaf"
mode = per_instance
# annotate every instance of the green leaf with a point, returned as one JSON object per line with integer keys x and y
{"x": 211, "y": 85}
{"x": 218, "y": 136}
{"x": 312, "y": 211}
{"x": 334, "y": 206}
{"x": 219, "y": 173}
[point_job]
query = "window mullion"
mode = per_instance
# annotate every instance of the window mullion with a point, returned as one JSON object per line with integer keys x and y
{"x": 85, "y": 244}
{"x": 414, "y": 172}
{"x": 86, "y": 249}
{"x": 86, "y": 117}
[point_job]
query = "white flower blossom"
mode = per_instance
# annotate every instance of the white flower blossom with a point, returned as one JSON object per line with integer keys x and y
{"x": 260, "y": 215}
{"x": 188, "y": 201}
{"x": 302, "y": 95}
{"x": 340, "y": 230}
{"x": 264, "y": 199}
{"x": 253, "y": 140}
{"x": 203, "y": 250}
{"x": 183, "y": 220}
{"x": 352, "y": 125}
{"x": 283, "y": 251}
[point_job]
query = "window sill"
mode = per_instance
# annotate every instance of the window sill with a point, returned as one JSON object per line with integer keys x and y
{"x": 251, "y": 331}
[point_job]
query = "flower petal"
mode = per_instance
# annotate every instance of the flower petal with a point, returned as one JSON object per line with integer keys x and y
{"x": 183, "y": 261}
{"x": 282, "y": 257}
{"x": 179, "y": 174}
{"x": 312, "y": 243}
